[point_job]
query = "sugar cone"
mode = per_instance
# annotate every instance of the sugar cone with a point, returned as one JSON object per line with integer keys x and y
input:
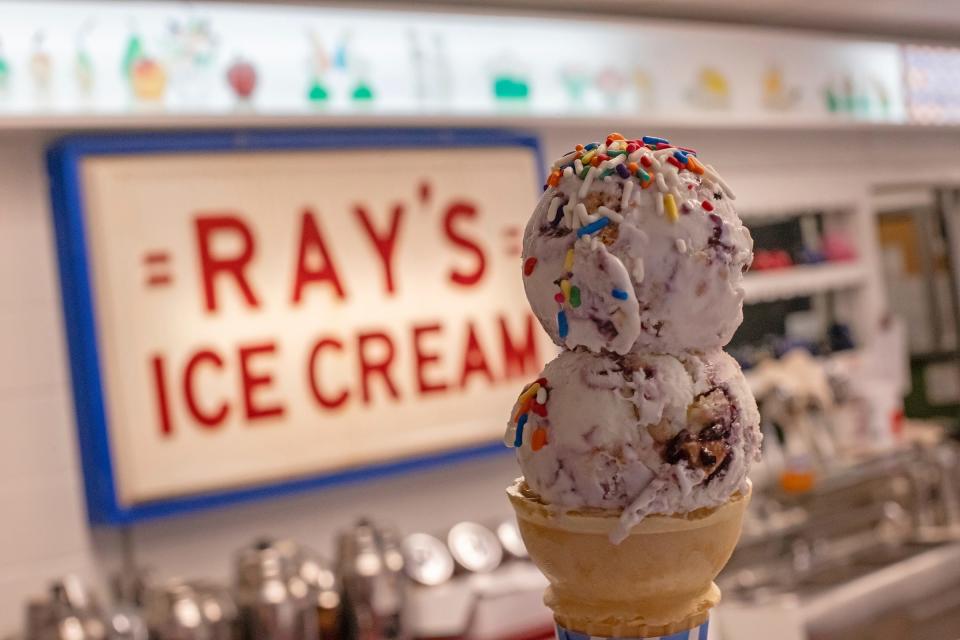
{"x": 658, "y": 581}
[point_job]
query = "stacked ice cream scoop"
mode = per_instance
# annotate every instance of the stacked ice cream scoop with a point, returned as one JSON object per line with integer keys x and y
{"x": 633, "y": 262}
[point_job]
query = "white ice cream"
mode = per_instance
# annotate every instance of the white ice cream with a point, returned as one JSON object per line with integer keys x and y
{"x": 639, "y": 433}
{"x": 633, "y": 261}
{"x": 679, "y": 275}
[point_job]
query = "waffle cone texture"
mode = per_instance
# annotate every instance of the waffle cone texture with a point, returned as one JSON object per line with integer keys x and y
{"x": 658, "y": 581}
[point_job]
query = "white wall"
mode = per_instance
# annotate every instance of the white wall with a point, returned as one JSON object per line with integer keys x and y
{"x": 43, "y": 532}
{"x": 40, "y": 495}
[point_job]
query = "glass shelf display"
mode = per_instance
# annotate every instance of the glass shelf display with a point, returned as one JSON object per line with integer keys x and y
{"x": 147, "y": 61}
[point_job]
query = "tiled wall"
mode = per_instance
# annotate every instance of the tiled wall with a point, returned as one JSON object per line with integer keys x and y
{"x": 43, "y": 531}
{"x": 41, "y": 508}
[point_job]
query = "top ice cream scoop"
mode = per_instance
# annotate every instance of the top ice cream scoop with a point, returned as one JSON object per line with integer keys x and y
{"x": 636, "y": 245}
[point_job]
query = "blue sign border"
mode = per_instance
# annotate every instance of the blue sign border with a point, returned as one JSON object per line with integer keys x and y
{"x": 66, "y": 188}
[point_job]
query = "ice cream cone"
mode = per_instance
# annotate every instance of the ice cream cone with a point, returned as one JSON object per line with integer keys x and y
{"x": 657, "y": 582}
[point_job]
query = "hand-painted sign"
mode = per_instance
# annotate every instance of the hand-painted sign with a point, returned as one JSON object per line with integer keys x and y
{"x": 251, "y": 312}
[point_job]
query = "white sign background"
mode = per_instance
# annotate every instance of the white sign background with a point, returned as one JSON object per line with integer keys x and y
{"x": 152, "y": 312}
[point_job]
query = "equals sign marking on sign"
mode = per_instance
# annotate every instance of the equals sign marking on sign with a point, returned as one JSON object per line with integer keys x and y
{"x": 157, "y": 266}
{"x": 513, "y": 237}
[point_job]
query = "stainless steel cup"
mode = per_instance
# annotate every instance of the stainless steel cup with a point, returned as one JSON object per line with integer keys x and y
{"x": 371, "y": 567}
{"x": 69, "y": 611}
{"x": 274, "y": 599}
{"x": 179, "y": 610}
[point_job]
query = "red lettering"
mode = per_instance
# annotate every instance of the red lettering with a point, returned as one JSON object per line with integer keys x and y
{"x": 311, "y": 242}
{"x": 456, "y": 210}
{"x": 424, "y": 358}
{"x": 328, "y": 402}
{"x": 160, "y": 383}
{"x": 252, "y": 381}
{"x": 211, "y": 266}
{"x": 370, "y": 364}
{"x": 473, "y": 359}
{"x": 423, "y": 192}
{"x": 520, "y": 360}
{"x": 210, "y": 420}
{"x": 384, "y": 244}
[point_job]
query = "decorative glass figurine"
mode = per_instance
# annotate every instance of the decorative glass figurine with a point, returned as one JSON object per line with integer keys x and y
{"x": 509, "y": 82}
{"x": 612, "y": 83}
{"x": 41, "y": 64}
{"x": 242, "y": 78}
{"x": 146, "y": 75}
{"x": 318, "y": 64}
{"x": 362, "y": 88}
{"x": 132, "y": 52}
{"x": 192, "y": 46}
{"x": 778, "y": 95}
{"x": 4, "y": 71}
{"x": 148, "y": 79}
{"x": 576, "y": 81}
{"x": 83, "y": 68}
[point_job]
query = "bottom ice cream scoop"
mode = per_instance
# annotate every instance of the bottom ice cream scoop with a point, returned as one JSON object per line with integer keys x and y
{"x": 641, "y": 434}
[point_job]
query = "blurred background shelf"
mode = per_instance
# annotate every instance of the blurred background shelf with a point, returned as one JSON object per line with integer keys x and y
{"x": 802, "y": 280}
{"x": 755, "y": 217}
{"x": 240, "y": 118}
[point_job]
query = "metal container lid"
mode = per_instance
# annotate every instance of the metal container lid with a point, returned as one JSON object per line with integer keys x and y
{"x": 265, "y": 559}
{"x": 390, "y": 548}
{"x": 371, "y": 568}
{"x": 427, "y": 559}
{"x": 359, "y": 552}
{"x": 509, "y": 535}
{"x": 216, "y": 602}
{"x": 474, "y": 547}
{"x": 180, "y": 610}
{"x": 69, "y": 610}
{"x": 126, "y": 624}
{"x": 321, "y": 578}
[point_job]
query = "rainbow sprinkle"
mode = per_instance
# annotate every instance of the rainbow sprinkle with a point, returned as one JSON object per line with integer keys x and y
{"x": 670, "y": 206}
{"x": 650, "y": 160}
{"x": 569, "y": 294}
{"x": 518, "y": 438}
{"x": 539, "y": 439}
{"x": 593, "y": 227}
{"x": 529, "y": 266}
{"x": 678, "y": 180}
{"x": 533, "y": 399}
